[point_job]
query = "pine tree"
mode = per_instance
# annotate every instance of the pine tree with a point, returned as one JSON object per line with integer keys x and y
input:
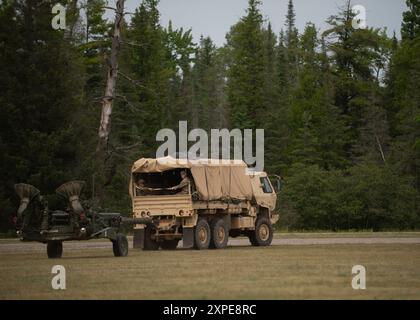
{"x": 270, "y": 90}
{"x": 275, "y": 89}
{"x": 291, "y": 30}
{"x": 156, "y": 88}
{"x": 96, "y": 26}
{"x": 354, "y": 54}
{"x": 319, "y": 133}
{"x": 95, "y": 45}
{"x": 291, "y": 44}
{"x": 41, "y": 82}
{"x": 94, "y": 42}
{"x": 144, "y": 85}
{"x": 403, "y": 96}
{"x": 281, "y": 66}
{"x": 410, "y": 28}
{"x": 180, "y": 48}
{"x": 246, "y": 69}
{"x": 208, "y": 74}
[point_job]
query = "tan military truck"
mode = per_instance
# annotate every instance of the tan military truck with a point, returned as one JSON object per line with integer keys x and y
{"x": 202, "y": 202}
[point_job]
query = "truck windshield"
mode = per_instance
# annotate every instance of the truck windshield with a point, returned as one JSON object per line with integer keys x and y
{"x": 265, "y": 184}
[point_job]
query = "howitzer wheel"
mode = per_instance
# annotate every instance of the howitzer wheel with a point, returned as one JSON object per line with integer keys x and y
{"x": 120, "y": 245}
{"x": 263, "y": 233}
{"x": 169, "y": 244}
{"x": 54, "y": 249}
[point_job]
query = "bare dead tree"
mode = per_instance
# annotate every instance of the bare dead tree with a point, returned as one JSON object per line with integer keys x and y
{"x": 109, "y": 96}
{"x": 380, "y": 148}
{"x": 106, "y": 168}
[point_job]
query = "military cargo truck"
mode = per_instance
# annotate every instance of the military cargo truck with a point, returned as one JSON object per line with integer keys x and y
{"x": 202, "y": 202}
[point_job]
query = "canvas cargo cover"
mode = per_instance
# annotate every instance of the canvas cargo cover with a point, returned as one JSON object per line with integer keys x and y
{"x": 214, "y": 179}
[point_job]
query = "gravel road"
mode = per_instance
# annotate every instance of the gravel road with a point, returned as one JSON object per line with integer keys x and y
{"x": 16, "y": 247}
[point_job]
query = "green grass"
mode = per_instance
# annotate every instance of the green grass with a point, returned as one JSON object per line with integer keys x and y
{"x": 277, "y": 272}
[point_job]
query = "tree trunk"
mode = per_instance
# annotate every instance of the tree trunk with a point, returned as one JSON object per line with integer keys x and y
{"x": 105, "y": 125}
{"x": 380, "y": 148}
{"x": 105, "y": 169}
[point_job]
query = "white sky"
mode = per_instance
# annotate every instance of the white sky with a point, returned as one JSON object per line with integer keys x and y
{"x": 215, "y": 17}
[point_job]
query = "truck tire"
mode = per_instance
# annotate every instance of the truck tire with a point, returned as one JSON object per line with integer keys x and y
{"x": 54, "y": 249}
{"x": 263, "y": 233}
{"x": 169, "y": 244}
{"x": 120, "y": 245}
{"x": 219, "y": 234}
{"x": 149, "y": 243}
{"x": 202, "y": 235}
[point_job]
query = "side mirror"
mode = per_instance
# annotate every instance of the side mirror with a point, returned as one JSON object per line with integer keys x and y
{"x": 278, "y": 185}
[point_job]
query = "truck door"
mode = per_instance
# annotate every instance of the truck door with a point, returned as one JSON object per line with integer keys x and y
{"x": 265, "y": 194}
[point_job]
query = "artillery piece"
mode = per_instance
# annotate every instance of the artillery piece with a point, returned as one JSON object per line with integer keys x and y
{"x": 35, "y": 222}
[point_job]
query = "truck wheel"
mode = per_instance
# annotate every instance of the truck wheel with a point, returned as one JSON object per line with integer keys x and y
{"x": 169, "y": 244}
{"x": 120, "y": 245}
{"x": 219, "y": 234}
{"x": 54, "y": 249}
{"x": 149, "y": 243}
{"x": 202, "y": 235}
{"x": 263, "y": 233}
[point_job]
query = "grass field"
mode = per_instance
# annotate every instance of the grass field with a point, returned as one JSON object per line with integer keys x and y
{"x": 348, "y": 234}
{"x": 276, "y": 272}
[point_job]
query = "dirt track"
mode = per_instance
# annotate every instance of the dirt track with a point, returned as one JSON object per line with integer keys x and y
{"x": 17, "y": 247}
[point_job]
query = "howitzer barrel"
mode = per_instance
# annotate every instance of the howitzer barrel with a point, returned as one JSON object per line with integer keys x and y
{"x": 146, "y": 221}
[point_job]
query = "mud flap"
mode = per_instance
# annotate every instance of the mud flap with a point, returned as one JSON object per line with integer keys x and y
{"x": 188, "y": 237}
{"x": 138, "y": 239}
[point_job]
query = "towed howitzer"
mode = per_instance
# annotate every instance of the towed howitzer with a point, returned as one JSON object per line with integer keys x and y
{"x": 35, "y": 222}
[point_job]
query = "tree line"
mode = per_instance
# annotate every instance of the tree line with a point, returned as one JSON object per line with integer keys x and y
{"x": 340, "y": 108}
